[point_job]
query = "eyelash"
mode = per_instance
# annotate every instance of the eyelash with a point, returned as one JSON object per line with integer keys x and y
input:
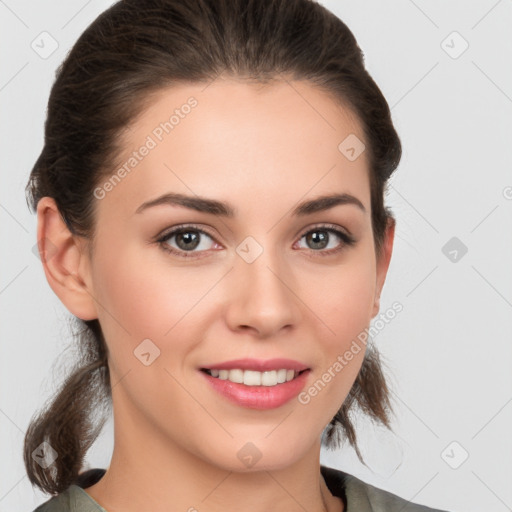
{"x": 347, "y": 240}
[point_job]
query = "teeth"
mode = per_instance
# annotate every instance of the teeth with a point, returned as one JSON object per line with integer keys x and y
{"x": 251, "y": 378}
{"x": 254, "y": 378}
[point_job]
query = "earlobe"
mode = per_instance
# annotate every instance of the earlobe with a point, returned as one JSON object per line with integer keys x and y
{"x": 383, "y": 263}
{"x": 64, "y": 261}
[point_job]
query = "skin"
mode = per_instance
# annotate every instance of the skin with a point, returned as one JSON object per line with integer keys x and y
{"x": 263, "y": 149}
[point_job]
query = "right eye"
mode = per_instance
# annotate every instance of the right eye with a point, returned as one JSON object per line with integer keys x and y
{"x": 186, "y": 240}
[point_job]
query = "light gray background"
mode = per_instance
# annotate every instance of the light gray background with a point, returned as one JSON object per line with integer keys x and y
{"x": 448, "y": 351}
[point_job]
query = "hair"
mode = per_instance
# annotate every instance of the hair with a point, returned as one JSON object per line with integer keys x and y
{"x": 132, "y": 50}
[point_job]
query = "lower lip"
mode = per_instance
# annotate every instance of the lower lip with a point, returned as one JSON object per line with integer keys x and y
{"x": 258, "y": 397}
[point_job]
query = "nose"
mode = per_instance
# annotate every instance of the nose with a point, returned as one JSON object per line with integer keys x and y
{"x": 262, "y": 297}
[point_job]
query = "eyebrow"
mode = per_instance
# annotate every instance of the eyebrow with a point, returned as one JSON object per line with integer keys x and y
{"x": 219, "y": 208}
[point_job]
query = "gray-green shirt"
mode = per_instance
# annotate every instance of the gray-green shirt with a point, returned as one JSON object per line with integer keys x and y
{"x": 358, "y": 496}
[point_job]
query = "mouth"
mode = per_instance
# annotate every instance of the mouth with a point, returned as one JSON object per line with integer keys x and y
{"x": 255, "y": 378}
{"x": 253, "y": 389}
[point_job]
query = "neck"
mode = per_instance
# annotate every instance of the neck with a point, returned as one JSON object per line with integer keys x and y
{"x": 146, "y": 476}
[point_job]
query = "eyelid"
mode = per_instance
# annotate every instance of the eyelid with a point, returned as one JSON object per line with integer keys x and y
{"x": 326, "y": 226}
{"x": 167, "y": 232}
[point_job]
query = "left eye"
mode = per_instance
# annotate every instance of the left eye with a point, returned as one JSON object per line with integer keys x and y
{"x": 321, "y": 238}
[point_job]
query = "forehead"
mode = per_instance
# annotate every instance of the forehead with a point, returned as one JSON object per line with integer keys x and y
{"x": 278, "y": 140}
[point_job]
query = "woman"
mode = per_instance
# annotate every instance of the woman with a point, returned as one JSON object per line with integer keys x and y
{"x": 210, "y": 203}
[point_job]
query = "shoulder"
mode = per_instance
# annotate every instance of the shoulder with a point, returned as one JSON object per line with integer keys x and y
{"x": 363, "y": 497}
{"x": 380, "y": 500}
{"x": 74, "y": 499}
{"x": 60, "y": 503}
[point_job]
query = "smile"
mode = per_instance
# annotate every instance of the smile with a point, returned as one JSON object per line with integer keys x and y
{"x": 254, "y": 378}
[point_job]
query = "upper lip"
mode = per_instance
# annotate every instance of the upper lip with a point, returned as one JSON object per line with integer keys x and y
{"x": 259, "y": 365}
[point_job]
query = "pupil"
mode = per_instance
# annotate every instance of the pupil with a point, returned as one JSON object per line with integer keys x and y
{"x": 319, "y": 239}
{"x": 191, "y": 240}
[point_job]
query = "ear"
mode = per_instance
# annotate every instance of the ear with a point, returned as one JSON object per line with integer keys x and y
{"x": 65, "y": 261}
{"x": 383, "y": 262}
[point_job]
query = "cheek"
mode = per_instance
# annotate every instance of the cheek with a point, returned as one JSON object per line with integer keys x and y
{"x": 144, "y": 298}
{"x": 344, "y": 304}
{"x": 350, "y": 311}
{"x": 343, "y": 298}
{"x": 132, "y": 305}
{"x": 346, "y": 311}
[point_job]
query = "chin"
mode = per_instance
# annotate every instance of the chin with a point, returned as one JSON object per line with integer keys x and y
{"x": 258, "y": 455}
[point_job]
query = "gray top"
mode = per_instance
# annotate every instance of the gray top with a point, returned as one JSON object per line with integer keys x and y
{"x": 358, "y": 496}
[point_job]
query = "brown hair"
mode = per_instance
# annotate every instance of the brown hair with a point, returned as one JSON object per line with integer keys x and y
{"x": 132, "y": 50}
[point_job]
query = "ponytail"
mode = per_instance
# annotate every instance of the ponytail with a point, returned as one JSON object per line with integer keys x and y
{"x": 59, "y": 436}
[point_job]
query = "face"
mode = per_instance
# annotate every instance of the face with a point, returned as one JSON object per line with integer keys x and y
{"x": 241, "y": 270}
